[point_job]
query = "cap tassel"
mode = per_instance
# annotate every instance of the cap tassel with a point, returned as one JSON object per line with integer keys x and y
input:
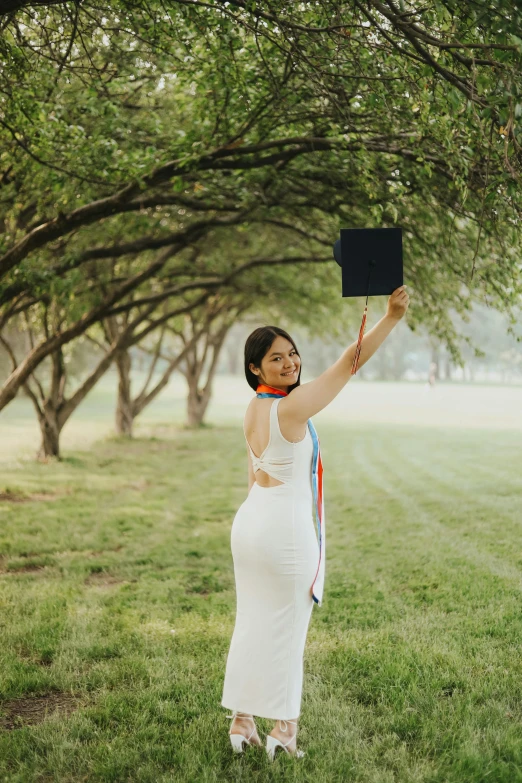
{"x": 355, "y": 363}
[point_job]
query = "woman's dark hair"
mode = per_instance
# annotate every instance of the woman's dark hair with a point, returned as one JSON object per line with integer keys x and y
{"x": 257, "y": 345}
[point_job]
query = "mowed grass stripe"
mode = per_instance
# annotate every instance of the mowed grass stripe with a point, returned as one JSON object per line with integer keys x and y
{"x": 413, "y": 551}
{"x": 441, "y": 532}
{"x": 384, "y": 538}
{"x": 469, "y": 469}
{"x": 485, "y": 528}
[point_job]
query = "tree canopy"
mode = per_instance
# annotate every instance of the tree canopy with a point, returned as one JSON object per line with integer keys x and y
{"x": 134, "y": 131}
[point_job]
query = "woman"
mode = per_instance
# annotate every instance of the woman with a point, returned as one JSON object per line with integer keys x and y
{"x": 276, "y": 553}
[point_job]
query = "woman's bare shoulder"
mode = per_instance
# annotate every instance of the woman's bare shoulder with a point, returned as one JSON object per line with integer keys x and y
{"x": 256, "y": 404}
{"x": 288, "y": 410}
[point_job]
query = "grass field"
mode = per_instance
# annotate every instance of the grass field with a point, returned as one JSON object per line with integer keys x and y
{"x": 117, "y": 594}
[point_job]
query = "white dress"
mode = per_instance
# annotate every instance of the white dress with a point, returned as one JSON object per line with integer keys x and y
{"x": 275, "y": 552}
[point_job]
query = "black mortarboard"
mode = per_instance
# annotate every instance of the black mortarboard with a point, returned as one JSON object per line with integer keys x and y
{"x": 371, "y": 264}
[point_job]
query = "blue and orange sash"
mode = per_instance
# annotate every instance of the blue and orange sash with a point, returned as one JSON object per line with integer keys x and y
{"x": 317, "y": 487}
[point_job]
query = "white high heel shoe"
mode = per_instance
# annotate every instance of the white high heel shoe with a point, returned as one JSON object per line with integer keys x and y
{"x": 237, "y": 740}
{"x": 272, "y": 743}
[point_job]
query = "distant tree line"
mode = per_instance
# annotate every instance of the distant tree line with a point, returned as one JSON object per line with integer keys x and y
{"x": 488, "y": 351}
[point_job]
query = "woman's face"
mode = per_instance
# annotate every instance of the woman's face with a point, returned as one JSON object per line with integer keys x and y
{"x": 280, "y": 366}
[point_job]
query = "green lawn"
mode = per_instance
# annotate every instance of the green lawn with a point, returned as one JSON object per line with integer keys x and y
{"x": 117, "y": 606}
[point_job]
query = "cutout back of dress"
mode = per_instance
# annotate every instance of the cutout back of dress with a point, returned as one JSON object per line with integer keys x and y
{"x": 277, "y": 458}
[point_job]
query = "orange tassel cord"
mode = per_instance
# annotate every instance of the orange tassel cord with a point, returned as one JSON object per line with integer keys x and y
{"x": 355, "y": 363}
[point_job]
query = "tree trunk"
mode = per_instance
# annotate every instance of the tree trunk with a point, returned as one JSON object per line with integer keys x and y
{"x": 197, "y": 403}
{"x": 124, "y": 406}
{"x": 49, "y": 411}
{"x": 50, "y": 429}
{"x": 198, "y": 399}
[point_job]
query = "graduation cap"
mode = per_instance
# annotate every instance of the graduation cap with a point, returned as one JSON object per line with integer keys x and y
{"x": 371, "y": 263}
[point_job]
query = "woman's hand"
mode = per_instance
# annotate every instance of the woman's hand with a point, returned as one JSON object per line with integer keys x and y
{"x": 398, "y": 303}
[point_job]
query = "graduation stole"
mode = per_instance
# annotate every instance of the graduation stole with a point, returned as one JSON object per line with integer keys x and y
{"x": 317, "y": 488}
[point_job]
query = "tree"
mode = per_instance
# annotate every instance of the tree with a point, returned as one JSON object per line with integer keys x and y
{"x": 158, "y": 124}
{"x": 242, "y": 74}
{"x": 201, "y": 360}
{"x": 52, "y": 405}
{"x": 127, "y": 406}
{"x": 101, "y": 303}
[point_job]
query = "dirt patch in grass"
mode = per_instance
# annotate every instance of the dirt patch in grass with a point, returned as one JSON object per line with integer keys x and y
{"x": 104, "y": 579}
{"x": 25, "y": 569}
{"x": 35, "y": 709}
{"x": 86, "y": 552}
{"x": 96, "y": 552}
{"x": 17, "y": 566}
{"x": 11, "y": 496}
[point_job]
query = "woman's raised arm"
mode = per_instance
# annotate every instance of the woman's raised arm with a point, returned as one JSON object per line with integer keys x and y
{"x": 310, "y": 398}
